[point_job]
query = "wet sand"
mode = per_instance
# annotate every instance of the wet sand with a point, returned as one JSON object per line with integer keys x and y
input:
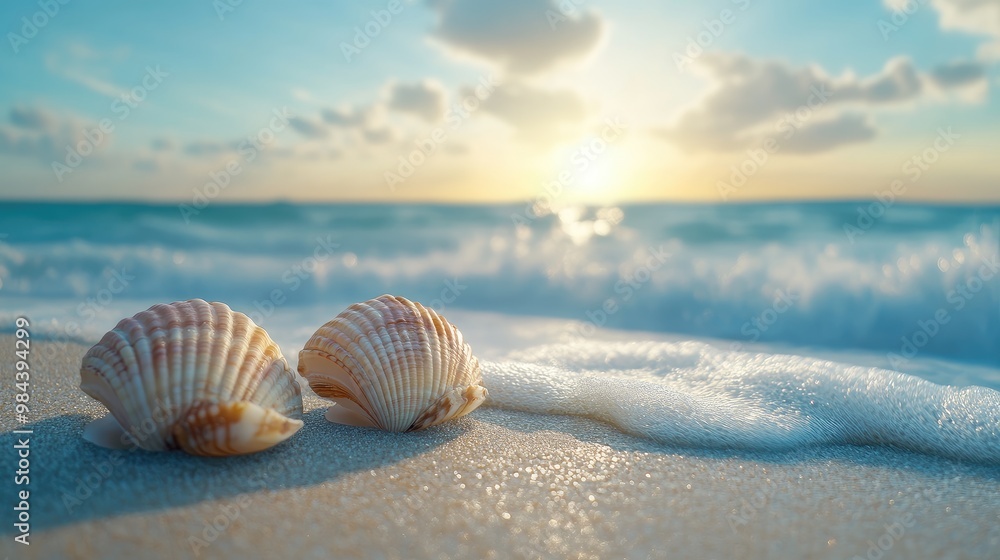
{"x": 496, "y": 484}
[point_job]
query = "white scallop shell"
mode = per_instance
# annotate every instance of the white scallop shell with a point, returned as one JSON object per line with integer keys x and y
{"x": 392, "y": 364}
{"x": 191, "y": 375}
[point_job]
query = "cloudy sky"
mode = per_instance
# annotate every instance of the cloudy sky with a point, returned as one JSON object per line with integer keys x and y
{"x": 476, "y": 101}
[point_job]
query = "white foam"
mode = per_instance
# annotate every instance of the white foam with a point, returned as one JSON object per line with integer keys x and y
{"x": 692, "y": 394}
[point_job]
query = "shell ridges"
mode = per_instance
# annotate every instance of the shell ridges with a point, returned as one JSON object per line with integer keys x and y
{"x": 392, "y": 364}
{"x": 191, "y": 375}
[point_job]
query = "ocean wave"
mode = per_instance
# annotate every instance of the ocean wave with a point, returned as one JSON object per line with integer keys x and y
{"x": 691, "y": 394}
{"x": 919, "y": 280}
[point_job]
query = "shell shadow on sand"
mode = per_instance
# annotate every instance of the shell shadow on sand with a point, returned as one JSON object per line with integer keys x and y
{"x": 72, "y": 480}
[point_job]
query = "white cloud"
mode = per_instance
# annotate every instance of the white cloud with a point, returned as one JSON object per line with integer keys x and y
{"x": 349, "y": 117}
{"x": 846, "y": 128}
{"x": 367, "y": 123}
{"x": 163, "y": 144}
{"x": 978, "y": 17}
{"x": 32, "y": 118}
{"x": 749, "y": 95}
{"x": 522, "y": 36}
{"x": 146, "y": 164}
{"x": 425, "y": 99}
{"x": 302, "y": 94}
{"x": 537, "y": 114}
{"x": 370, "y": 123}
{"x": 39, "y": 133}
{"x": 975, "y": 17}
{"x": 88, "y": 81}
{"x": 81, "y": 63}
{"x": 957, "y": 74}
{"x": 206, "y": 148}
{"x": 310, "y": 128}
{"x": 379, "y": 135}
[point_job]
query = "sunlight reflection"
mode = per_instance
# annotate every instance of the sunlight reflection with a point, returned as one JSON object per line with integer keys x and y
{"x": 577, "y": 223}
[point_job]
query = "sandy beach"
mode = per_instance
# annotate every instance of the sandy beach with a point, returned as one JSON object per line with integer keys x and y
{"x": 496, "y": 484}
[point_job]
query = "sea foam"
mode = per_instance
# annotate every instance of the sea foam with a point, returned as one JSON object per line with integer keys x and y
{"x": 692, "y": 394}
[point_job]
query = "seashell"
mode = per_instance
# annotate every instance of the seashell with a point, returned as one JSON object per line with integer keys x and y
{"x": 392, "y": 364}
{"x": 191, "y": 375}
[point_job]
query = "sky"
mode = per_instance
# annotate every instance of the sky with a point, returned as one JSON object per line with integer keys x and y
{"x": 472, "y": 101}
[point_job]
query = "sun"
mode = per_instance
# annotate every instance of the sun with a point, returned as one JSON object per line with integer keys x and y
{"x": 592, "y": 172}
{"x": 596, "y": 178}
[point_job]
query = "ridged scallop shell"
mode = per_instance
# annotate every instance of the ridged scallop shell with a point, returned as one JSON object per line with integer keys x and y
{"x": 191, "y": 375}
{"x": 392, "y": 364}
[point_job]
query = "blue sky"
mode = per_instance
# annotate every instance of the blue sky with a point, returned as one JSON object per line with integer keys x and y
{"x": 355, "y": 123}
